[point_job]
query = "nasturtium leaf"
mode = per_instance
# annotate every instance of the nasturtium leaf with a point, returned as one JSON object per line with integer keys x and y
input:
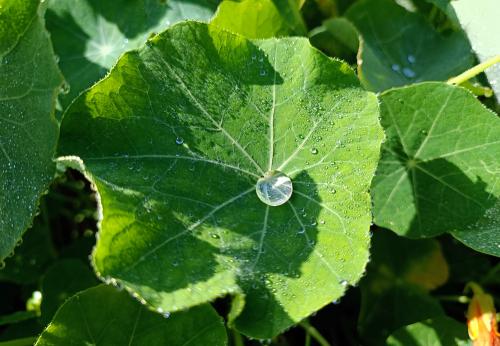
{"x": 394, "y": 291}
{"x": 260, "y": 18}
{"x": 62, "y": 280}
{"x": 480, "y": 22}
{"x": 439, "y": 169}
{"x": 29, "y": 83}
{"x": 103, "y": 315}
{"x": 438, "y": 331}
{"x": 400, "y": 47}
{"x": 90, "y": 35}
{"x": 176, "y": 139}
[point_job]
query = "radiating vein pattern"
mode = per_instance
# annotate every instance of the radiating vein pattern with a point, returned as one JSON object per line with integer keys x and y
{"x": 439, "y": 168}
{"x": 180, "y": 133}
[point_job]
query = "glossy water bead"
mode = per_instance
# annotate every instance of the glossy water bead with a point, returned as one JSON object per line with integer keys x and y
{"x": 274, "y": 188}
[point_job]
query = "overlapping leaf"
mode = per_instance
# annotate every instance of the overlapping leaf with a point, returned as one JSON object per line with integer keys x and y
{"x": 29, "y": 83}
{"x": 260, "y": 18}
{"x": 439, "y": 331}
{"x": 439, "y": 169}
{"x": 401, "y": 47}
{"x": 90, "y": 35}
{"x": 175, "y": 140}
{"x": 104, "y": 316}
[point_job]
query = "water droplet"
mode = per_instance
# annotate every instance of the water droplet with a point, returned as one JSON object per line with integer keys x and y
{"x": 411, "y": 59}
{"x": 395, "y": 67}
{"x": 343, "y": 283}
{"x": 322, "y": 222}
{"x": 263, "y": 72}
{"x": 314, "y": 151}
{"x": 301, "y": 230}
{"x": 409, "y": 73}
{"x": 215, "y": 236}
{"x": 179, "y": 140}
{"x": 274, "y": 188}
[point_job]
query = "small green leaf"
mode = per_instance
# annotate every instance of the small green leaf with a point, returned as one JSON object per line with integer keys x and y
{"x": 440, "y": 166}
{"x": 62, "y": 280}
{"x": 28, "y": 131}
{"x": 480, "y": 22}
{"x": 394, "y": 291}
{"x": 400, "y": 47}
{"x": 439, "y": 331}
{"x": 90, "y": 35}
{"x": 104, "y": 316}
{"x": 260, "y": 18}
{"x": 176, "y": 140}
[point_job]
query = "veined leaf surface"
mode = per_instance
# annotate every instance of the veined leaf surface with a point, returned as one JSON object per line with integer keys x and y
{"x": 177, "y": 137}
{"x": 104, "y": 316}
{"x": 29, "y": 84}
{"x": 439, "y": 170}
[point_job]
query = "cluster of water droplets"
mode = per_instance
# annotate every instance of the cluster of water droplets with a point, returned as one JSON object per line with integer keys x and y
{"x": 407, "y": 71}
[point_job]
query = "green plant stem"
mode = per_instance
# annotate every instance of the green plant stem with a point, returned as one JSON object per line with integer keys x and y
{"x": 314, "y": 333}
{"x": 237, "y": 339}
{"x": 308, "y": 339}
{"x": 472, "y": 72}
{"x": 20, "y": 342}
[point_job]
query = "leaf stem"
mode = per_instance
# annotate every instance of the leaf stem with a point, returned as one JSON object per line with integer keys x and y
{"x": 237, "y": 338}
{"x": 308, "y": 339}
{"x": 472, "y": 72}
{"x": 20, "y": 342}
{"x": 310, "y": 330}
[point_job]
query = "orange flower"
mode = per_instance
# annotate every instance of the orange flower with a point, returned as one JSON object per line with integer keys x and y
{"x": 481, "y": 318}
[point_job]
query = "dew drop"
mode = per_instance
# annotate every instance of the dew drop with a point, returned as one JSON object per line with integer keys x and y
{"x": 314, "y": 151}
{"x": 274, "y": 188}
{"x": 263, "y": 73}
{"x": 395, "y": 67}
{"x": 179, "y": 140}
{"x": 409, "y": 73}
{"x": 411, "y": 59}
{"x": 343, "y": 283}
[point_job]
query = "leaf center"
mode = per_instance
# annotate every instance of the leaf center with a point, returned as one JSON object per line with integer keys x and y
{"x": 274, "y": 188}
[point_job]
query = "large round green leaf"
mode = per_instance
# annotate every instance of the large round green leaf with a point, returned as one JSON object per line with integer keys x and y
{"x": 104, "y": 316}
{"x": 29, "y": 83}
{"x": 90, "y": 35}
{"x": 439, "y": 169}
{"x": 177, "y": 137}
{"x": 400, "y": 47}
